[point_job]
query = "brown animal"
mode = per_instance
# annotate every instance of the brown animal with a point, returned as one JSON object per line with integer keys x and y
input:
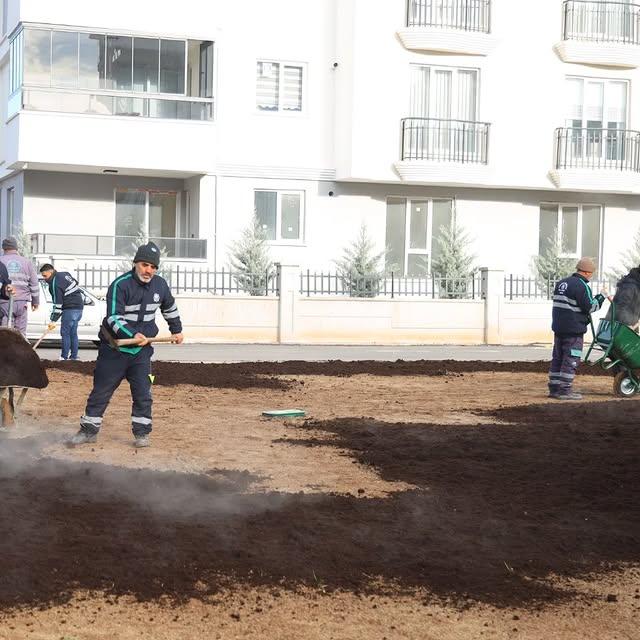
{"x": 20, "y": 367}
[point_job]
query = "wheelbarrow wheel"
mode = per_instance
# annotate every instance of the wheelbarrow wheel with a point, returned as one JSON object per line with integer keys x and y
{"x": 623, "y": 385}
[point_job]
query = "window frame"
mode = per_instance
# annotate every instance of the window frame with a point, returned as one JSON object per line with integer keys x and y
{"x": 278, "y": 240}
{"x": 147, "y": 192}
{"x": 407, "y": 228}
{"x": 580, "y": 206}
{"x": 303, "y": 93}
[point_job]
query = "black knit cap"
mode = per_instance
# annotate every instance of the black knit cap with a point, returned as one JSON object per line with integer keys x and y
{"x": 148, "y": 253}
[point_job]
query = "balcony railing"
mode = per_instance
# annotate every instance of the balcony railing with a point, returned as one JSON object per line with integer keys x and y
{"x": 110, "y": 104}
{"x": 445, "y": 140}
{"x": 465, "y": 15}
{"x": 615, "y": 22}
{"x": 609, "y": 149}
{"x": 79, "y": 245}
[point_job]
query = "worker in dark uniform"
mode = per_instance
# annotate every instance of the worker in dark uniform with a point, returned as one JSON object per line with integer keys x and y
{"x": 132, "y": 302}
{"x": 5, "y": 284}
{"x": 68, "y": 304}
{"x": 573, "y": 303}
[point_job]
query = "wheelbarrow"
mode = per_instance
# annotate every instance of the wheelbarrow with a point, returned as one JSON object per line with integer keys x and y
{"x": 619, "y": 349}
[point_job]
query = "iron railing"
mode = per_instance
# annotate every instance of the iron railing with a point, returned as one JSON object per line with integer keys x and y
{"x": 391, "y": 285}
{"x": 184, "y": 279}
{"x": 518, "y": 287}
{"x": 445, "y": 140}
{"x": 69, "y": 244}
{"x": 466, "y": 15}
{"x": 585, "y": 148}
{"x": 601, "y": 21}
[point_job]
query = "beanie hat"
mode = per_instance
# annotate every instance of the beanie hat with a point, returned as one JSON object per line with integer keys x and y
{"x": 586, "y": 264}
{"x": 10, "y": 243}
{"x": 148, "y": 253}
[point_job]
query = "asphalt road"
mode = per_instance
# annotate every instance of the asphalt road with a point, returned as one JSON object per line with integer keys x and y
{"x": 279, "y": 352}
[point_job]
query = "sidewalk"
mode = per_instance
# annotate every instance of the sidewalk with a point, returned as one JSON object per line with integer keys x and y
{"x": 280, "y": 352}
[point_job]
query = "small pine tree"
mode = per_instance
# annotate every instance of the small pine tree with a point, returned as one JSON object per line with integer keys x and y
{"x": 250, "y": 260}
{"x": 142, "y": 238}
{"x": 628, "y": 259}
{"x": 24, "y": 242}
{"x": 551, "y": 266}
{"x": 454, "y": 263}
{"x": 359, "y": 268}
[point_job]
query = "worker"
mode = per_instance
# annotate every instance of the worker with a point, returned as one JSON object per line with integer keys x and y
{"x": 6, "y": 289}
{"x": 132, "y": 302}
{"x": 24, "y": 279}
{"x": 68, "y": 304}
{"x": 573, "y": 303}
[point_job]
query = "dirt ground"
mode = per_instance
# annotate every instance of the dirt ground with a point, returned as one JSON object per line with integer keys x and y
{"x": 416, "y": 500}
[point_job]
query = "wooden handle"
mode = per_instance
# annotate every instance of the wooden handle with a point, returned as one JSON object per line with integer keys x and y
{"x": 132, "y": 342}
{"x": 50, "y": 327}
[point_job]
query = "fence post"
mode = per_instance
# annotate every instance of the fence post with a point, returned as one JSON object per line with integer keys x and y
{"x": 493, "y": 292}
{"x": 289, "y": 277}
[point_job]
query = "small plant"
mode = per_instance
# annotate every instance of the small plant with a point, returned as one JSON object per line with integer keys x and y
{"x": 250, "y": 260}
{"x": 454, "y": 264}
{"x": 628, "y": 259}
{"x": 359, "y": 268}
{"x": 24, "y": 242}
{"x": 551, "y": 266}
{"x": 142, "y": 238}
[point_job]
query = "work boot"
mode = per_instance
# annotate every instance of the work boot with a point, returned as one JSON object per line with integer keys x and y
{"x": 571, "y": 395}
{"x": 141, "y": 442}
{"x": 83, "y": 437}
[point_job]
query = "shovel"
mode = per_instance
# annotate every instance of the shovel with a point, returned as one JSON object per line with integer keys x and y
{"x": 50, "y": 327}
{"x": 132, "y": 342}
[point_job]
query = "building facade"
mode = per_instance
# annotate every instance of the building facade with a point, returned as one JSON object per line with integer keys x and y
{"x": 516, "y": 120}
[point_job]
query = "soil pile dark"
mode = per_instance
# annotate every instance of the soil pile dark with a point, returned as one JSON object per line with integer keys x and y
{"x": 259, "y": 374}
{"x": 20, "y": 365}
{"x": 497, "y": 509}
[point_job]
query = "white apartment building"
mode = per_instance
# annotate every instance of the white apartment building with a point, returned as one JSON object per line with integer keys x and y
{"x": 519, "y": 119}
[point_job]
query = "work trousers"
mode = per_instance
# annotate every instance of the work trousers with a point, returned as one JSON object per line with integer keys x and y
{"x": 20, "y": 315}
{"x": 567, "y": 351}
{"x": 112, "y": 367}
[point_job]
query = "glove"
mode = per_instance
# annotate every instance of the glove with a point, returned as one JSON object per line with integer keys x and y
{"x": 55, "y": 317}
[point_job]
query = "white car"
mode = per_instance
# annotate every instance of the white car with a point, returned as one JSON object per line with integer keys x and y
{"x": 88, "y": 328}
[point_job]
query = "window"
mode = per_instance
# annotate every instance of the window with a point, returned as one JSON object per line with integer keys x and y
{"x": 413, "y": 229}
{"x": 139, "y": 211}
{"x": 279, "y": 87}
{"x": 596, "y": 114}
{"x": 5, "y": 16}
{"x": 574, "y": 230}
{"x": 11, "y": 211}
{"x": 280, "y": 214}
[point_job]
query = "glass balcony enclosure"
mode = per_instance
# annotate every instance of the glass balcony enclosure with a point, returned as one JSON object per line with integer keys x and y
{"x": 108, "y": 74}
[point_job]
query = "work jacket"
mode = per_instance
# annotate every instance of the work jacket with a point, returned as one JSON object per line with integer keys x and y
{"x": 23, "y": 277}
{"x": 65, "y": 293}
{"x": 573, "y": 303}
{"x": 132, "y": 306}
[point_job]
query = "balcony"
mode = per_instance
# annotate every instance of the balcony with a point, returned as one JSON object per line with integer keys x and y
{"x": 444, "y": 151}
{"x": 600, "y": 33}
{"x": 47, "y": 244}
{"x": 597, "y": 160}
{"x": 451, "y": 26}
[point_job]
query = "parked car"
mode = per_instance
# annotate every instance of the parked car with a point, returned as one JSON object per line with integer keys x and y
{"x": 92, "y": 316}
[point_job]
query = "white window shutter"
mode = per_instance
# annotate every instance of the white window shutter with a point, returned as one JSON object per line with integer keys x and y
{"x": 268, "y": 86}
{"x": 292, "y": 94}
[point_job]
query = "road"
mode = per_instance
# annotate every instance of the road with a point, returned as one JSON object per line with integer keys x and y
{"x": 279, "y": 352}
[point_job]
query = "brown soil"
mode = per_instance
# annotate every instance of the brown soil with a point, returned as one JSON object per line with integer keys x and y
{"x": 19, "y": 363}
{"x": 421, "y": 505}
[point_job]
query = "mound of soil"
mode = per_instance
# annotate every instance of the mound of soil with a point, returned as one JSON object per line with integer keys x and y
{"x": 20, "y": 365}
{"x": 260, "y": 374}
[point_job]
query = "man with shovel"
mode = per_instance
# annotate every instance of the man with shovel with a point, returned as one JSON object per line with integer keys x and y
{"x": 132, "y": 302}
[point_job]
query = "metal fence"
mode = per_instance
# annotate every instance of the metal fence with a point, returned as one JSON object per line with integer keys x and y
{"x": 314, "y": 283}
{"x": 190, "y": 280}
{"x": 601, "y": 21}
{"x": 466, "y": 15}
{"x": 445, "y": 140}
{"x": 586, "y": 148}
{"x": 527, "y": 288}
